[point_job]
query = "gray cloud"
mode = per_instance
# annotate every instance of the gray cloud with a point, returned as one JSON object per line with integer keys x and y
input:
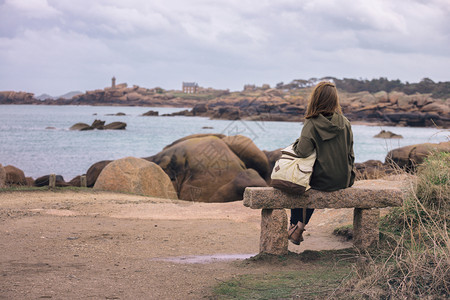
{"x": 55, "y": 46}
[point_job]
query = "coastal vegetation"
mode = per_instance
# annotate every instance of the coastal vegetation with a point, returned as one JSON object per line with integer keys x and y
{"x": 350, "y": 85}
{"x": 414, "y": 256}
{"x": 412, "y": 260}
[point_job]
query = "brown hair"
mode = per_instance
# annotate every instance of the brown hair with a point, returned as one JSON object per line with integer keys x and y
{"x": 324, "y": 99}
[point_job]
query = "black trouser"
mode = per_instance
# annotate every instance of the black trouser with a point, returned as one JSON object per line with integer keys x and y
{"x": 297, "y": 215}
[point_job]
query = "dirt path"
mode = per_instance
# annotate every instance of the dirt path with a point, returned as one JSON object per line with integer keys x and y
{"x": 99, "y": 245}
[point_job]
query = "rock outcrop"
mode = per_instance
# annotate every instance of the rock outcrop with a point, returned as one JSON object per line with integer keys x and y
{"x": 249, "y": 153}
{"x": 45, "y": 180}
{"x": 80, "y": 127}
{"x": 192, "y": 136}
{"x": 76, "y": 181}
{"x": 272, "y": 157}
{"x": 234, "y": 189}
{"x": 409, "y": 157}
{"x": 393, "y": 108}
{"x": 261, "y": 104}
{"x": 203, "y": 168}
{"x": 115, "y": 126}
{"x": 10, "y": 97}
{"x": 29, "y": 180}
{"x": 137, "y": 176}
{"x": 99, "y": 124}
{"x": 387, "y": 135}
{"x": 150, "y": 113}
{"x": 94, "y": 171}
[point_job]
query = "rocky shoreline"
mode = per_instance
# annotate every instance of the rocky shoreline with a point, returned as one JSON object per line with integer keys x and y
{"x": 207, "y": 168}
{"x": 262, "y": 104}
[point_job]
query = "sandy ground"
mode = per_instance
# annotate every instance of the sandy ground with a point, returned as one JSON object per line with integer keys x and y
{"x": 100, "y": 245}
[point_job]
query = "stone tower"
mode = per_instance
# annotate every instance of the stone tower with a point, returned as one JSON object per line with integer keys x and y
{"x": 113, "y": 84}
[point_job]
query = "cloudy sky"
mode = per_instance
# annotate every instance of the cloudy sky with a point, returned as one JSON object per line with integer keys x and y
{"x": 57, "y": 46}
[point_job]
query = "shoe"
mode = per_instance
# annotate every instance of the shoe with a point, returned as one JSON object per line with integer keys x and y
{"x": 295, "y": 233}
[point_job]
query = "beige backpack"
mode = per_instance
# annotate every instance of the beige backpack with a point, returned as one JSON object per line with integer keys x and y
{"x": 291, "y": 173}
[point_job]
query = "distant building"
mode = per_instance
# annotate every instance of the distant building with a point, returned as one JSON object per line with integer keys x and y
{"x": 190, "y": 87}
{"x": 113, "y": 83}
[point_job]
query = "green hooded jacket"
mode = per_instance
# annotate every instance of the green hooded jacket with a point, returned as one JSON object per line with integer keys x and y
{"x": 332, "y": 138}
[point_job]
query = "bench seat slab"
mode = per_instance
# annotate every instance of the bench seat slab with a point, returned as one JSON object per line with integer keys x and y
{"x": 365, "y": 194}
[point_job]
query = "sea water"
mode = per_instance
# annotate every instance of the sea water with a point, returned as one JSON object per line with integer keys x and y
{"x": 27, "y": 143}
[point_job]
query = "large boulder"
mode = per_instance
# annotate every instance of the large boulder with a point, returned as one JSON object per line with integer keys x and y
{"x": 2, "y": 177}
{"x": 405, "y": 102}
{"x": 227, "y": 113}
{"x": 199, "y": 109}
{"x": 98, "y": 124}
{"x": 29, "y": 181}
{"x": 133, "y": 96}
{"x": 234, "y": 190}
{"x": 80, "y": 127}
{"x": 193, "y": 136}
{"x": 435, "y": 107}
{"x": 150, "y": 113}
{"x": 394, "y": 96}
{"x": 249, "y": 153}
{"x": 76, "y": 181}
{"x": 45, "y": 180}
{"x": 14, "y": 176}
{"x": 137, "y": 176}
{"x": 95, "y": 170}
{"x": 115, "y": 126}
{"x": 199, "y": 167}
{"x": 409, "y": 157}
{"x": 381, "y": 96}
{"x": 272, "y": 157}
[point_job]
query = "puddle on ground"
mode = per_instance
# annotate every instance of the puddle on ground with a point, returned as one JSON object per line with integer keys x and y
{"x": 204, "y": 259}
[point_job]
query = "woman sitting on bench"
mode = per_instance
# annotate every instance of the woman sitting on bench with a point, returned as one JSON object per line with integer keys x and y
{"x": 328, "y": 132}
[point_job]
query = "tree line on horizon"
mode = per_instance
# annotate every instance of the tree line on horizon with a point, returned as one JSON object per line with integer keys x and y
{"x": 350, "y": 85}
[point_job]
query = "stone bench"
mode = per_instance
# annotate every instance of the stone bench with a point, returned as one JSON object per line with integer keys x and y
{"x": 365, "y": 196}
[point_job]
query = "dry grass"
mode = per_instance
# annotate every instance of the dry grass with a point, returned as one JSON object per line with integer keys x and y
{"x": 414, "y": 260}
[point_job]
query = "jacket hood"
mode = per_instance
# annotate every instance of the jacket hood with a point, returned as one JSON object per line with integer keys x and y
{"x": 328, "y": 129}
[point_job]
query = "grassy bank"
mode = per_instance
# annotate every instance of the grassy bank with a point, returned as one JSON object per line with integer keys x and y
{"x": 413, "y": 260}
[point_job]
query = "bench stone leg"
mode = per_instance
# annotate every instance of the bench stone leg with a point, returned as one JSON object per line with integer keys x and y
{"x": 365, "y": 227}
{"x": 274, "y": 236}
